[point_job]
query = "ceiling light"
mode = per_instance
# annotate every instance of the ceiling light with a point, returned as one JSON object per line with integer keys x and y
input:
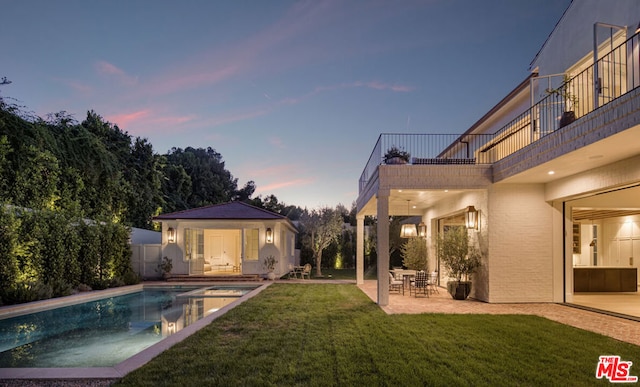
{"x": 408, "y": 230}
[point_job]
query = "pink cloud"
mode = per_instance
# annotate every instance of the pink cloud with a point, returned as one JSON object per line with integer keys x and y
{"x": 277, "y": 142}
{"x": 277, "y": 170}
{"x": 235, "y": 117}
{"x": 282, "y": 184}
{"x": 108, "y": 68}
{"x": 80, "y": 87}
{"x": 127, "y": 119}
{"x": 147, "y": 121}
{"x": 76, "y": 85}
{"x": 111, "y": 70}
{"x": 262, "y": 52}
{"x": 190, "y": 78}
{"x": 384, "y": 86}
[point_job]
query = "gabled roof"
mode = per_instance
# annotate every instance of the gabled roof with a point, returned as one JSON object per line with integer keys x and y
{"x": 224, "y": 211}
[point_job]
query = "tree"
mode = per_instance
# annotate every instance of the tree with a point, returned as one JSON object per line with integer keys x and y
{"x": 322, "y": 227}
{"x": 395, "y": 241}
{"x": 144, "y": 176}
{"x": 414, "y": 254}
{"x": 211, "y": 183}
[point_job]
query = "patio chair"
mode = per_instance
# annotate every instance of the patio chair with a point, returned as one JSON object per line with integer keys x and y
{"x": 292, "y": 272}
{"x": 395, "y": 284}
{"x": 419, "y": 284}
{"x": 432, "y": 282}
{"x": 306, "y": 271}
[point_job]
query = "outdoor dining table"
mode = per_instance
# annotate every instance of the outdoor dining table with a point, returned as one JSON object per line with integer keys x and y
{"x": 407, "y": 275}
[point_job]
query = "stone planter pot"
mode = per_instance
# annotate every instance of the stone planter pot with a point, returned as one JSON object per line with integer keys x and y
{"x": 395, "y": 161}
{"x": 567, "y": 118}
{"x": 271, "y": 276}
{"x": 459, "y": 290}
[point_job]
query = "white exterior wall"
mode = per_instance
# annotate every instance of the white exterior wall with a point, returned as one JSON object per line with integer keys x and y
{"x": 572, "y": 38}
{"x": 520, "y": 244}
{"x": 282, "y": 249}
{"x": 457, "y": 204}
{"x": 618, "y": 174}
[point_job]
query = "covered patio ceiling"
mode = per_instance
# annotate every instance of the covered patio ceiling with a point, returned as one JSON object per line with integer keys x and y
{"x": 419, "y": 201}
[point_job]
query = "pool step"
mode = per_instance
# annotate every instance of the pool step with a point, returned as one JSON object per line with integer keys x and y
{"x": 206, "y": 278}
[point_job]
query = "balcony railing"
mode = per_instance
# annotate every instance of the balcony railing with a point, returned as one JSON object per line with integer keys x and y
{"x": 618, "y": 73}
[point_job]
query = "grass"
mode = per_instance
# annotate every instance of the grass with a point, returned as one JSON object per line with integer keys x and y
{"x": 340, "y": 274}
{"x": 324, "y": 335}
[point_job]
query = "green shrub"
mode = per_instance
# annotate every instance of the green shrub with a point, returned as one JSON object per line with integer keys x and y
{"x": 27, "y": 292}
{"x": 414, "y": 254}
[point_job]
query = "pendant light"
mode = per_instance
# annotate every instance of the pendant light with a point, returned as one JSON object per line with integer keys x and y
{"x": 408, "y": 230}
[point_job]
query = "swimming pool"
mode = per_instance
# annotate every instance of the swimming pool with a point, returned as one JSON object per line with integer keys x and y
{"x": 107, "y": 331}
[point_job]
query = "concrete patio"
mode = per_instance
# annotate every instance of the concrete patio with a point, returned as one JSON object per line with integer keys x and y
{"x": 615, "y": 327}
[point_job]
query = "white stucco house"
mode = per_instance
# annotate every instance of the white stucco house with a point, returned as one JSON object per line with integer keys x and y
{"x": 552, "y": 171}
{"x": 229, "y": 239}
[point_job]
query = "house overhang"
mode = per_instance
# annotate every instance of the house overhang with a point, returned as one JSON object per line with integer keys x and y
{"x": 422, "y": 185}
{"x": 233, "y": 223}
{"x": 602, "y": 137}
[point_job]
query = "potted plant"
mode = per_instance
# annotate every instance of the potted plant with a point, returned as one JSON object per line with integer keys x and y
{"x": 570, "y": 102}
{"x": 269, "y": 264}
{"x": 164, "y": 267}
{"x": 460, "y": 259}
{"x": 396, "y": 156}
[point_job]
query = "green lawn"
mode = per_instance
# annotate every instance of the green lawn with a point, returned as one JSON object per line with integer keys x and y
{"x": 340, "y": 274}
{"x": 326, "y": 334}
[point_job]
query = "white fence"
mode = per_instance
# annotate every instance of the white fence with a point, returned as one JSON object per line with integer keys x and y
{"x": 145, "y": 260}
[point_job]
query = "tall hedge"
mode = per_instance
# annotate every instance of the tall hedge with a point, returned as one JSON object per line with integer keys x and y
{"x": 47, "y": 254}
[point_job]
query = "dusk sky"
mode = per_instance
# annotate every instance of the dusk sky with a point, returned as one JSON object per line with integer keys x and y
{"x": 293, "y": 94}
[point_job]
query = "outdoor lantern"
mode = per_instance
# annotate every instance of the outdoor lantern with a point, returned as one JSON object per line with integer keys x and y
{"x": 408, "y": 230}
{"x": 422, "y": 230}
{"x": 472, "y": 217}
{"x": 269, "y": 235}
{"x": 171, "y": 235}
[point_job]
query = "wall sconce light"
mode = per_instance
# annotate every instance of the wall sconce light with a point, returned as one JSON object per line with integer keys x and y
{"x": 471, "y": 217}
{"x": 171, "y": 235}
{"x": 422, "y": 230}
{"x": 269, "y": 235}
{"x": 408, "y": 230}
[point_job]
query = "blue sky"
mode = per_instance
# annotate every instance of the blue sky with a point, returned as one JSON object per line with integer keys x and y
{"x": 293, "y": 94}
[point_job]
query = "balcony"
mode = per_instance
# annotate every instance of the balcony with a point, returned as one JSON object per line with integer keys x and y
{"x": 577, "y": 96}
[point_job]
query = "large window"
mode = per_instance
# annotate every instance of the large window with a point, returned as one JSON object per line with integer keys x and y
{"x": 193, "y": 243}
{"x": 251, "y": 246}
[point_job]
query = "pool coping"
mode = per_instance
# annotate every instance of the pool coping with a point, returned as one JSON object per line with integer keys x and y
{"x": 136, "y": 361}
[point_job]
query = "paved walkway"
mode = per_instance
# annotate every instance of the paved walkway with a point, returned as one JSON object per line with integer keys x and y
{"x": 618, "y": 328}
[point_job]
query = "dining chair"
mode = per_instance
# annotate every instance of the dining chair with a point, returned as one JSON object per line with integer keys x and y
{"x": 432, "y": 282}
{"x": 292, "y": 272}
{"x": 419, "y": 284}
{"x": 395, "y": 284}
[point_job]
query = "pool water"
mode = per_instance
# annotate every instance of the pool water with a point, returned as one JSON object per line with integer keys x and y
{"x": 106, "y": 332}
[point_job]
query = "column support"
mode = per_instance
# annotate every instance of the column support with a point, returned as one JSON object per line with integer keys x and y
{"x": 360, "y": 250}
{"x": 383, "y": 247}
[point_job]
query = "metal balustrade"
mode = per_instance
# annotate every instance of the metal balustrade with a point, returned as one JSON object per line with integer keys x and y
{"x": 618, "y": 73}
